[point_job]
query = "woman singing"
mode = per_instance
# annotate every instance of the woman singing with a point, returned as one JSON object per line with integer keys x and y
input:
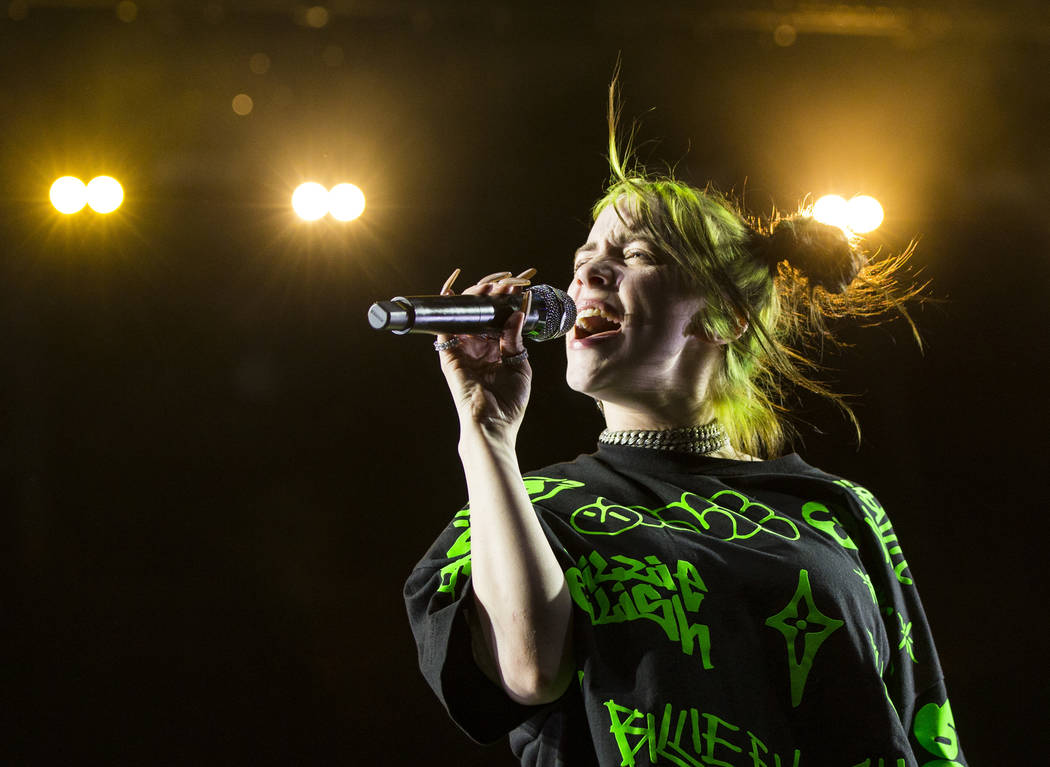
{"x": 682, "y": 595}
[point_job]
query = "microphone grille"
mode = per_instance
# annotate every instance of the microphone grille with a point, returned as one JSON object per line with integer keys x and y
{"x": 558, "y": 313}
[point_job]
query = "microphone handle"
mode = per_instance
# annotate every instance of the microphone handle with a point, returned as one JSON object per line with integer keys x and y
{"x": 466, "y": 315}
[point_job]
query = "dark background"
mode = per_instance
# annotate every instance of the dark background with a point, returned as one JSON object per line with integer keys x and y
{"x": 218, "y": 477}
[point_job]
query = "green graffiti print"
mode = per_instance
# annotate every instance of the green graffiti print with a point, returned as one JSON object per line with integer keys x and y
{"x": 542, "y": 488}
{"x": 876, "y": 518}
{"x": 623, "y": 589}
{"x": 875, "y": 649}
{"x": 688, "y": 738}
{"x": 907, "y": 640}
{"x": 867, "y": 582}
{"x": 882, "y": 669}
{"x": 727, "y": 515}
{"x": 459, "y": 553}
{"x": 812, "y": 626}
{"x": 935, "y": 730}
{"x": 605, "y": 518}
{"x": 822, "y": 518}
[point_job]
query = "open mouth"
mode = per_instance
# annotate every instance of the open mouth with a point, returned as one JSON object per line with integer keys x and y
{"x": 593, "y": 322}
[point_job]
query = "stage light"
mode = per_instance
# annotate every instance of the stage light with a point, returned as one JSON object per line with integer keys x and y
{"x": 68, "y": 194}
{"x": 346, "y": 202}
{"x": 865, "y": 214}
{"x": 860, "y": 215}
{"x": 310, "y": 201}
{"x": 832, "y": 209}
{"x": 104, "y": 194}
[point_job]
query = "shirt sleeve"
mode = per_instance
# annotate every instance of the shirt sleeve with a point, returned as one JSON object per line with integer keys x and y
{"x": 437, "y": 596}
{"x": 912, "y": 671}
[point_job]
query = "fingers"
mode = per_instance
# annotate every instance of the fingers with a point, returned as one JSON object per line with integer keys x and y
{"x": 500, "y": 282}
{"x": 493, "y": 277}
{"x": 446, "y": 289}
{"x": 512, "y": 348}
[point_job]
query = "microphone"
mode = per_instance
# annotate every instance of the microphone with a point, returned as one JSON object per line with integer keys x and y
{"x": 552, "y": 314}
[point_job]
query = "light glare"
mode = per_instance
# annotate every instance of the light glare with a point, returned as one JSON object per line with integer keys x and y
{"x": 865, "y": 214}
{"x": 68, "y": 194}
{"x": 346, "y": 202}
{"x": 860, "y": 215}
{"x": 310, "y": 201}
{"x": 832, "y": 209}
{"x": 104, "y": 194}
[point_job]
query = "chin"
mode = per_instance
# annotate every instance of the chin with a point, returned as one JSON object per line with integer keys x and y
{"x": 579, "y": 380}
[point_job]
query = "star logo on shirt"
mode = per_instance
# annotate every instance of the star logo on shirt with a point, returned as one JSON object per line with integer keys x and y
{"x": 804, "y": 628}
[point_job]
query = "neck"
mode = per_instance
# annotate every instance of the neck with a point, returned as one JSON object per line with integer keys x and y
{"x": 666, "y": 415}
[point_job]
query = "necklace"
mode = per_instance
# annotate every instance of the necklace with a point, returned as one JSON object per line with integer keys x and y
{"x": 700, "y": 440}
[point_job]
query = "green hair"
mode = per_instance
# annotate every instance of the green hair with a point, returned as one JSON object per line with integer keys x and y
{"x": 768, "y": 289}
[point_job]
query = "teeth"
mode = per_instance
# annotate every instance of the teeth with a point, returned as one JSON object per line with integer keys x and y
{"x": 594, "y": 311}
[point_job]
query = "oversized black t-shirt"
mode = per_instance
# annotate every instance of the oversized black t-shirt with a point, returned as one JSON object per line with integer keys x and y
{"x": 725, "y": 613}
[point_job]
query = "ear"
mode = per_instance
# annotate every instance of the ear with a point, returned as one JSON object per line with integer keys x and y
{"x": 698, "y": 327}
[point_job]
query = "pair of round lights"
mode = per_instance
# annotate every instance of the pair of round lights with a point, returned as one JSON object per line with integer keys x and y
{"x": 343, "y": 202}
{"x": 103, "y": 194}
{"x": 860, "y": 215}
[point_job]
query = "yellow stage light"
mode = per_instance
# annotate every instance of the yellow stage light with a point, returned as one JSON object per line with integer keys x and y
{"x": 865, "y": 214}
{"x": 832, "y": 209}
{"x": 346, "y": 202}
{"x": 860, "y": 215}
{"x": 104, "y": 194}
{"x": 68, "y": 194}
{"x": 310, "y": 201}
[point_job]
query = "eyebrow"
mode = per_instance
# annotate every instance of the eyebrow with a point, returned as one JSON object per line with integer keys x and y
{"x": 619, "y": 239}
{"x": 586, "y": 247}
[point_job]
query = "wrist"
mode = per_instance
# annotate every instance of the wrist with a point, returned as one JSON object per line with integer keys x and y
{"x": 486, "y": 436}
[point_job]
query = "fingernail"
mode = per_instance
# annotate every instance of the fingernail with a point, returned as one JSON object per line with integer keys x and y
{"x": 448, "y": 283}
{"x": 527, "y": 304}
{"x": 492, "y": 277}
{"x": 513, "y": 281}
{"x": 527, "y": 274}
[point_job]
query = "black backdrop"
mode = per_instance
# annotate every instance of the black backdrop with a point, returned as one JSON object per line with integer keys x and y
{"x": 218, "y": 477}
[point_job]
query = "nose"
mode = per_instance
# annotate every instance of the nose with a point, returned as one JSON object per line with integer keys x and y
{"x": 596, "y": 272}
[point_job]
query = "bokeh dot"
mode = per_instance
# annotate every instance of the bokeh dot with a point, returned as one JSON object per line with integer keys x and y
{"x": 127, "y": 11}
{"x": 259, "y": 63}
{"x": 316, "y": 16}
{"x": 242, "y": 104}
{"x": 785, "y": 35}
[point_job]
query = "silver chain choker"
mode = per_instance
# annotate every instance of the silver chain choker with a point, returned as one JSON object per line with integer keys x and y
{"x": 699, "y": 440}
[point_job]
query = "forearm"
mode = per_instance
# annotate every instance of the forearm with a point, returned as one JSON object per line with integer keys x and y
{"x": 523, "y": 602}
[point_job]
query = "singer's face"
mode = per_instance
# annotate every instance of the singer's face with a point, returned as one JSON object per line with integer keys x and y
{"x": 632, "y": 340}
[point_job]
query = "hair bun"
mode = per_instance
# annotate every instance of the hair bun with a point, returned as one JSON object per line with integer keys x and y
{"x": 820, "y": 252}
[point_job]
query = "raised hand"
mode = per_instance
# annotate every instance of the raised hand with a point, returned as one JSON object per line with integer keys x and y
{"x": 489, "y": 376}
